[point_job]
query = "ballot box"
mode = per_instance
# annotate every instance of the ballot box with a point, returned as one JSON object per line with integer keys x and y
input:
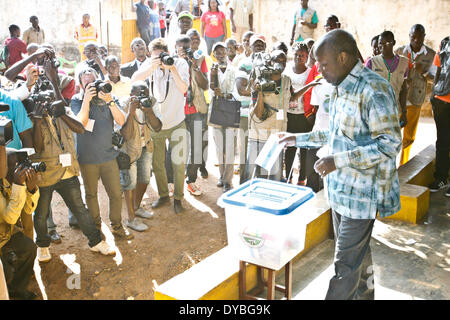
{"x": 265, "y": 225}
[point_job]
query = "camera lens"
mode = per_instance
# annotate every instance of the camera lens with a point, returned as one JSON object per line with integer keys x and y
{"x": 166, "y": 59}
{"x": 39, "y": 166}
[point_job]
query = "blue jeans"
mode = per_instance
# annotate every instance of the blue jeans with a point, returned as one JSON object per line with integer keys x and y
{"x": 140, "y": 170}
{"x": 69, "y": 189}
{"x": 211, "y": 41}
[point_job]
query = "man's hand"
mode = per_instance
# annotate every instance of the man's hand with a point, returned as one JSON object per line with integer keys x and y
{"x": 20, "y": 175}
{"x": 288, "y": 139}
{"x": 43, "y": 53}
{"x": 39, "y": 111}
{"x": 32, "y": 73}
{"x": 51, "y": 72}
{"x": 325, "y": 166}
{"x": 403, "y": 120}
{"x": 32, "y": 179}
{"x": 155, "y": 63}
{"x": 233, "y": 28}
{"x": 105, "y": 96}
{"x": 134, "y": 105}
{"x": 90, "y": 92}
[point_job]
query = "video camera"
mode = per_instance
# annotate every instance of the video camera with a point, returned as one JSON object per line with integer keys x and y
{"x": 166, "y": 59}
{"x": 146, "y": 101}
{"x": 6, "y": 128}
{"x": 263, "y": 71}
{"x": 25, "y": 161}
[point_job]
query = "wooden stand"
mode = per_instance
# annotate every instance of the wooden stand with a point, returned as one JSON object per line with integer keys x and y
{"x": 270, "y": 283}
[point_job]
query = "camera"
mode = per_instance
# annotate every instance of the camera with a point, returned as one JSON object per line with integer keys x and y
{"x": 25, "y": 162}
{"x": 193, "y": 54}
{"x": 263, "y": 71}
{"x": 6, "y": 128}
{"x": 117, "y": 139}
{"x": 166, "y": 59}
{"x": 146, "y": 101}
{"x": 94, "y": 65}
{"x": 102, "y": 86}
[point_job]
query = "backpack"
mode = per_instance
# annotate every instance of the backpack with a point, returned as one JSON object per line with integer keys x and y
{"x": 442, "y": 86}
{"x": 4, "y": 58}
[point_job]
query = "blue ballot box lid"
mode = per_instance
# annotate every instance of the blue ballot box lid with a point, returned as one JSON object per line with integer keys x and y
{"x": 269, "y": 196}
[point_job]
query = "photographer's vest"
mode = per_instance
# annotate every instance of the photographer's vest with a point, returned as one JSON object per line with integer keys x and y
{"x": 416, "y": 81}
{"x": 199, "y": 95}
{"x": 52, "y": 149}
{"x": 261, "y": 130}
{"x": 133, "y": 146}
{"x": 84, "y": 34}
{"x": 395, "y": 78}
{"x": 303, "y": 30}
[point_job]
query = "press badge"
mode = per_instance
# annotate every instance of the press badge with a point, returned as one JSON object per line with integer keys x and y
{"x": 280, "y": 114}
{"x": 65, "y": 159}
{"x": 90, "y": 125}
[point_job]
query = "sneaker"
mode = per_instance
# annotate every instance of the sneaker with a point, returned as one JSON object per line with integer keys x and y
{"x": 219, "y": 183}
{"x": 43, "y": 254}
{"x": 137, "y": 225}
{"x": 104, "y": 249}
{"x": 437, "y": 185}
{"x": 143, "y": 213}
{"x": 193, "y": 189}
{"x": 171, "y": 189}
{"x": 447, "y": 193}
{"x": 122, "y": 233}
{"x": 227, "y": 187}
{"x": 55, "y": 237}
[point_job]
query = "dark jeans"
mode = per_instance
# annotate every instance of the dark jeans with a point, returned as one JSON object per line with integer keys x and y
{"x": 69, "y": 189}
{"x": 352, "y": 259}
{"x": 243, "y": 146}
{"x": 211, "y": 41}
{"x": 296, "y": 123}
{"x": 146, "y": 35}
{"x": 163, "y": 32}
{"x": 314, "y": 181}
{"x": 196, "y": 126}
{"x": 441, "y": 113}
{"x": 18, "y": 273}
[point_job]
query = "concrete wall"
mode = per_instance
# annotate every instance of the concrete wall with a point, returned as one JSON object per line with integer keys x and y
{"x": 58, "y": 18}
{"x": 363, "y": 18}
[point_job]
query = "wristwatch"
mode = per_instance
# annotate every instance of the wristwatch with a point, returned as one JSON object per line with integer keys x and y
{"x": 110, "y": 104}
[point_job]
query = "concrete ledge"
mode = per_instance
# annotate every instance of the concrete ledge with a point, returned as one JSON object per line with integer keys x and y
{"x": 420, "y": 169}
{"x": 415, "y": 201}
{"x": 217, "y": 277}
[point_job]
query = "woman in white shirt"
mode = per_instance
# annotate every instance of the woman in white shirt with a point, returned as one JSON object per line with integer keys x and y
{"x": 296, "y": 120}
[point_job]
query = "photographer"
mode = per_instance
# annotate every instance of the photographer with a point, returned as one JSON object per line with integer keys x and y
{"x": 97, "y": 111}
{"x": 169, "y": 81}
{"x": 93, "y": 61}
{"x": 120, "y": 85}
{"x": 54, "y": 145}
{"x": 222, "y": 81}
{"x": 268, "y": 112}
{"x": 19, "y": 193}
{"x": 195, "y": 109}
{"x": 141, "y": 121}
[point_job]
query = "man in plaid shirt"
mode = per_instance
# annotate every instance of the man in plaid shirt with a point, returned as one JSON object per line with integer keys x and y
{"x": 360, "y": 172}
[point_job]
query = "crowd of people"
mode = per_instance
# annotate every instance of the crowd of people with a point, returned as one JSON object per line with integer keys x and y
{"x": 121, "y": 122}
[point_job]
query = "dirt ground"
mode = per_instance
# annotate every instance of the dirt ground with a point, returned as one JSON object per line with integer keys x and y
{"x": 171, "y": 245}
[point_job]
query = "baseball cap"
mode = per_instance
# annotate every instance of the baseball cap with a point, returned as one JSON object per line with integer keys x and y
{"x": 257, "y": 37}
{"x": 185, "y": 14}
{"x": 218, "y": 44}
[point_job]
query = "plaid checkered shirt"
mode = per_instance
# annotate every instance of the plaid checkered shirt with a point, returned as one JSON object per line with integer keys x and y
{"x": 364, "y": 137}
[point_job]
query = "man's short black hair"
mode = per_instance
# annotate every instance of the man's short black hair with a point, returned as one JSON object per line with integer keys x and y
{"x": 183, "y": 39}
{"x": 387, "y": 35}
{"x": 337, "y": 41}
{"x": 374, "y": 39}
{"x": 333, "y": 17}
{"x": 280, "y": 45}
{"x": 417, "y": 27}
{"x": 12, "y": 28}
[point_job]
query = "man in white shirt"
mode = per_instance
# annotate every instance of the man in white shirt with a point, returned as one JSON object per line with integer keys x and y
{"x": 168, "y": 84}
{"x": 241, "y": 16}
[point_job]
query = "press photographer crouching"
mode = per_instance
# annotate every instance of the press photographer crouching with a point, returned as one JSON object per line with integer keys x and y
{"x": 138, "y": 146}
{"x": 97, "y": 111}
{"x": 54, "y": 145}
{"x": 18, "y": 194}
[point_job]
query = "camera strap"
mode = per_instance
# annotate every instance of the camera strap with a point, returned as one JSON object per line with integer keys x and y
{"x": 58, "y": 133}
{"x": 167, "y": 88}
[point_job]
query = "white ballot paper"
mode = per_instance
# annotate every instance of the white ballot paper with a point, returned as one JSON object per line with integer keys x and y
{"x": 90, "y": 125}
{"x": 270, "y": 152}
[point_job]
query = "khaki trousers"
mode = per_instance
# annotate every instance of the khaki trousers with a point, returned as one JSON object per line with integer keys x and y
{"x": 409, "y": 131}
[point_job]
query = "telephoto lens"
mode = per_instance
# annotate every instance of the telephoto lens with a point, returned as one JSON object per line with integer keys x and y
{"x": 166, "y": 59}
{"x": 102, "y": 86}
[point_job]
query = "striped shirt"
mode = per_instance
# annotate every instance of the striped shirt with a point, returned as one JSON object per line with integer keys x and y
{"x": 364, "y": 137}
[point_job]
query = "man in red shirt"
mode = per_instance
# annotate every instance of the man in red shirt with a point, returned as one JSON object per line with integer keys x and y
{"x": 15, "y": 45}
